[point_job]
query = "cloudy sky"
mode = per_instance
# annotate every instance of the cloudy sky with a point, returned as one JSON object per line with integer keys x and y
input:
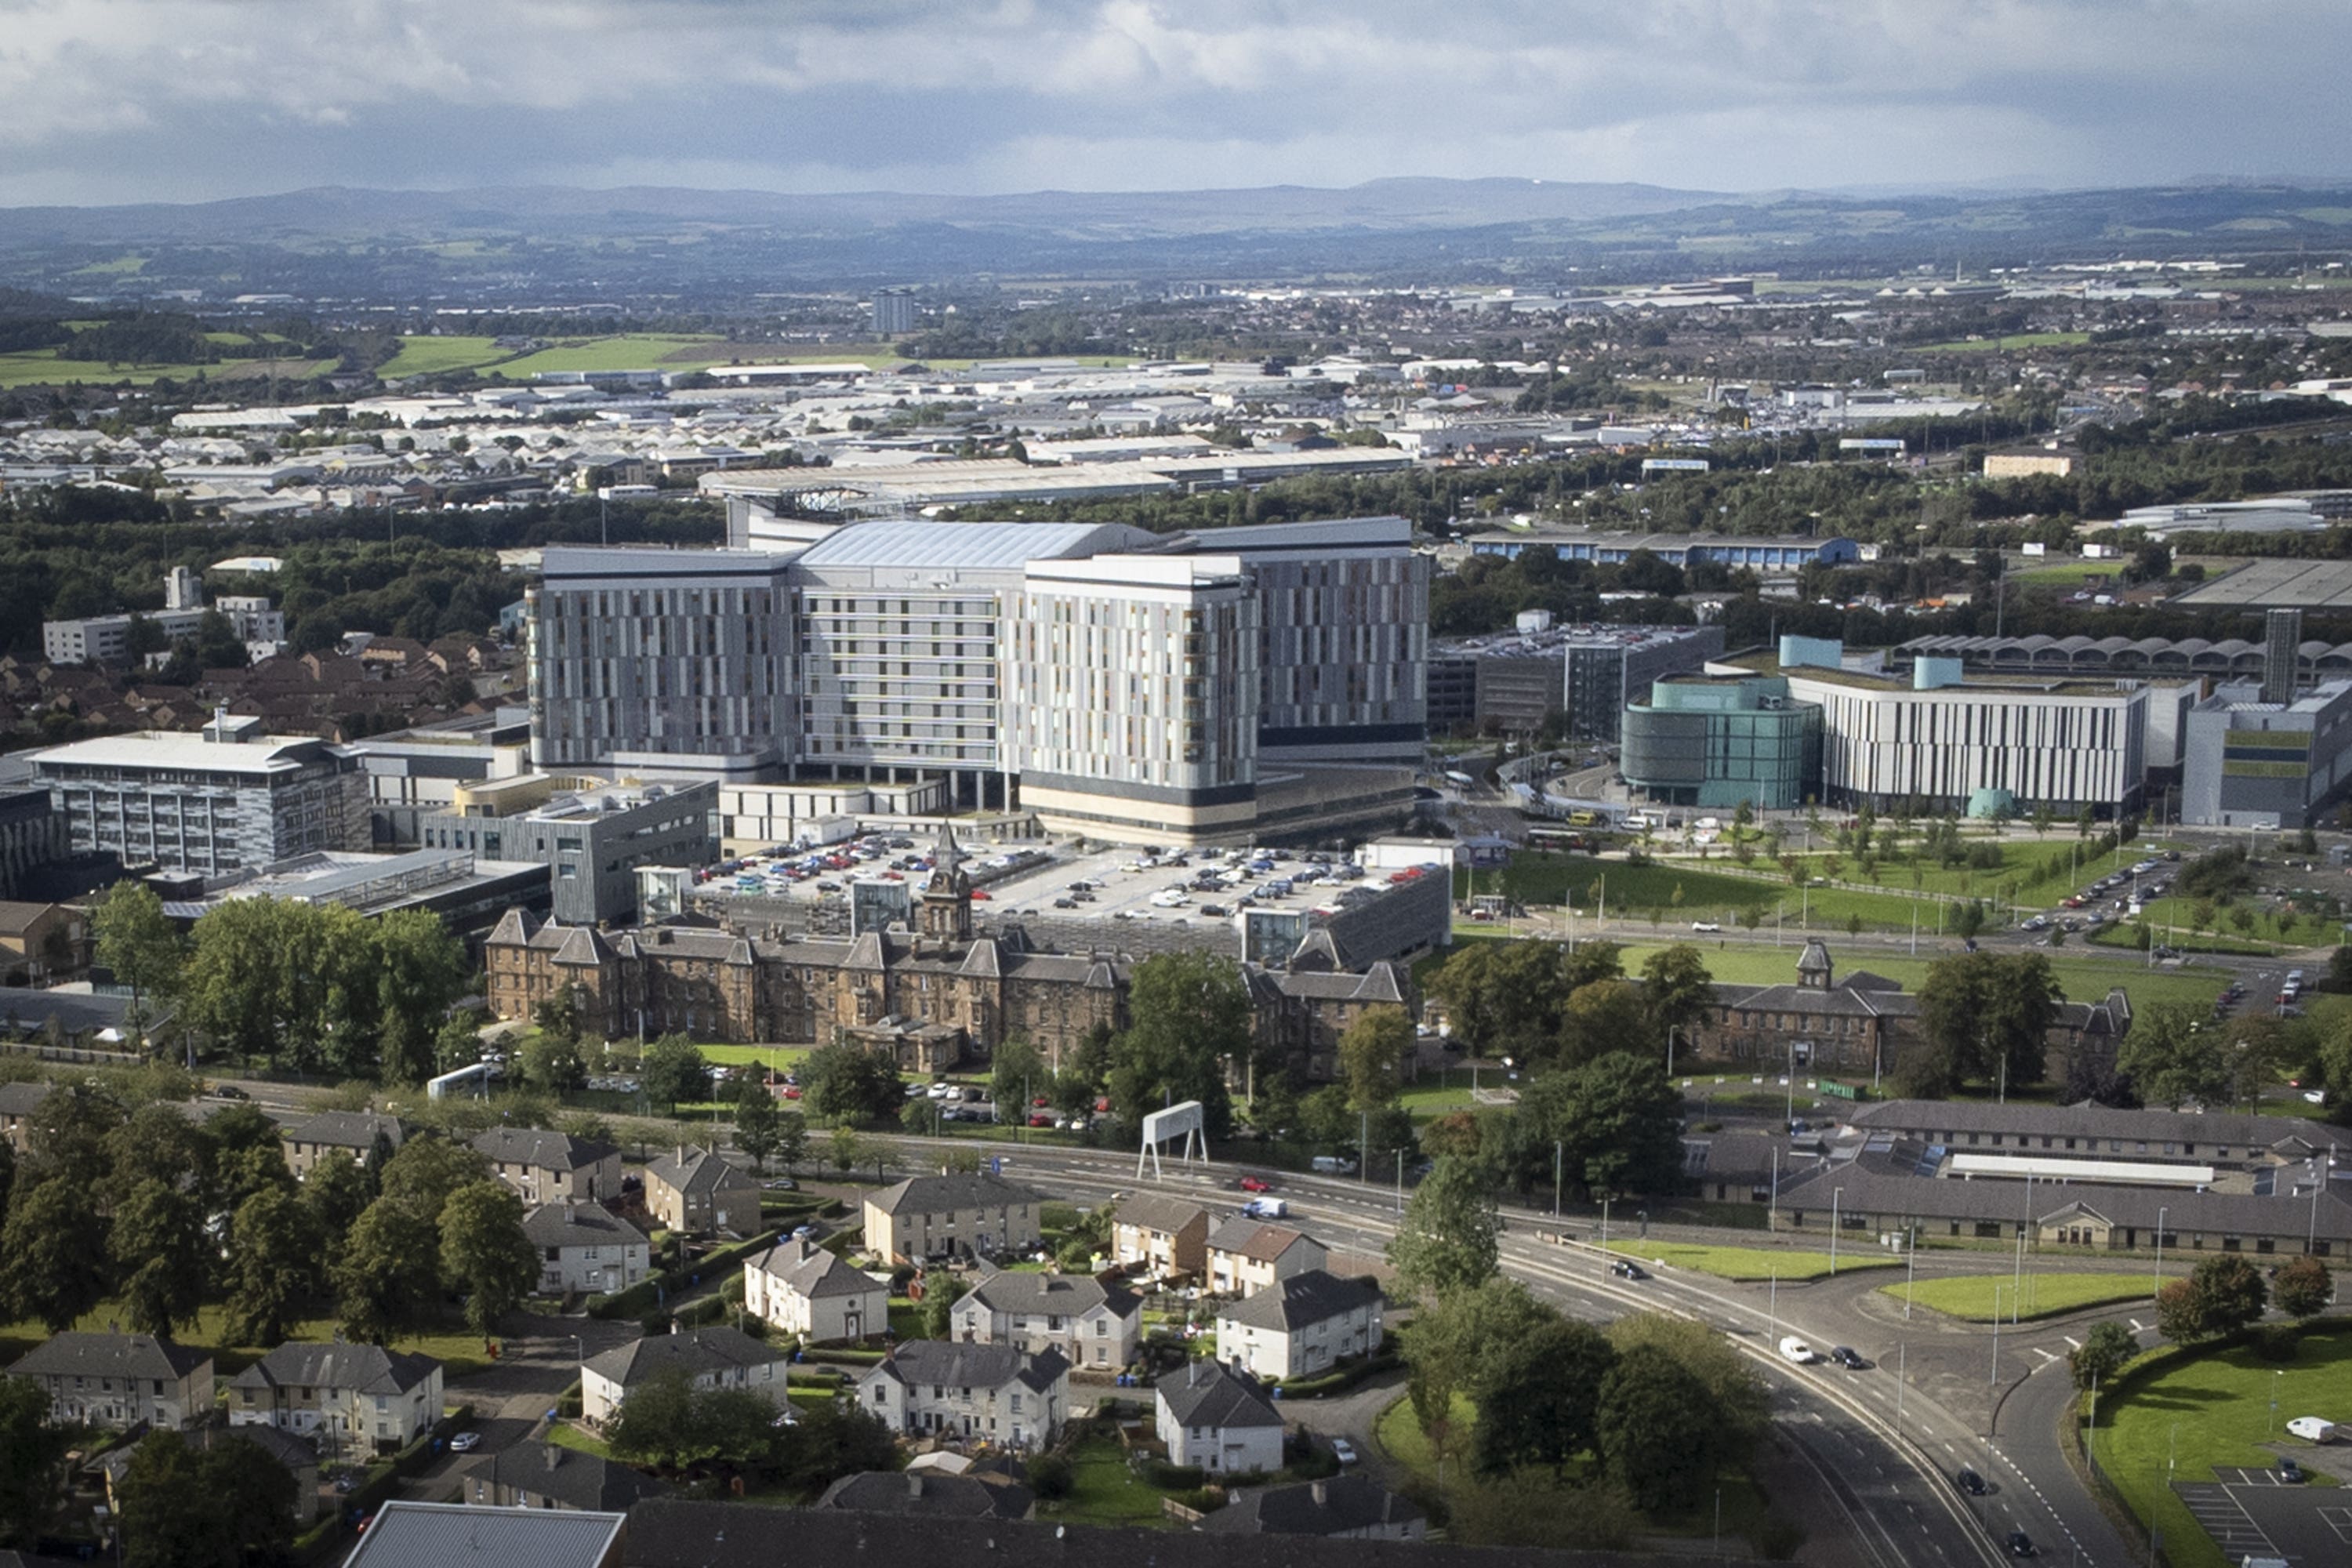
{"x": 115, "y": 100}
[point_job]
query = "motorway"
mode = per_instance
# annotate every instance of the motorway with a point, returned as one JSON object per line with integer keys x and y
{"x": 1887, "y": 1449}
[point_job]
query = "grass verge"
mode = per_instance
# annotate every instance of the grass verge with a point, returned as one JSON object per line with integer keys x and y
{"x": 1970, "y": 1297}
{"x": 1751, "y": 1263}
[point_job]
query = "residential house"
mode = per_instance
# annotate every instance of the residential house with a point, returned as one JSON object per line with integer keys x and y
{"x": 362, "y": 1397}
{"x": 456, "y": 1535}
{"x": 928, "y": 1494}
{"x": 1301, "y": 1326}
{"x": 815, "y": 1295}
{"x": 299, "y": 1460}
{"x": 1246, "y": 1255}
{"x": 695, "y": 1191}
{"x": 581, "y": 1247}
{"x": 551, "y": 1167}
{"x": 551, "y": 1476}
{"x": 1161, "y": 1236}
{"x": 17, "y": 1103}
{"x": 1094, "y": 1326}
{"x": 352, "y": 1133}
{"x": 119, "y": 1380}
{"x": 712, "y": 1358}
{"x": 1218, "y": 1419}
{"x": 41, "y": 945}
{"x": 953, "y": 1215}
{"x": 970, "y": 1393}
{"x": 1353, "y": 1506}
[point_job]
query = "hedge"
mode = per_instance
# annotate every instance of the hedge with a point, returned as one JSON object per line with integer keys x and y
{"x": 650, "y": 1293}
{"x": 1344, "y": 1377}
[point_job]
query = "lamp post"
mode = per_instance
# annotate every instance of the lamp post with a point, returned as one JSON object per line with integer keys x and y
{"x": 1604, "y": 1231}
{"x": 1835, "y": 1194}
{"x": 2156, "y": 1287}
{"x": 1910, "y": 1265}
{"x": 1772, "y": 1213}
{"x": 1557, "y": 1151}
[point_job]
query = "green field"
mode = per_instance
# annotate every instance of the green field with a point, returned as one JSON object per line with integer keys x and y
{"x": 1970, "y": 1297}
{"x": 2082, "y": 979}
{"x": 2214, "y": 1409}
{"x": 628, "y": 351}
{"x": 39, "y": 367}
{"x": 437, "y": 356}
{"x": 1752, "y": 1263}
{"x": 2013, "y": 341}
{"x": 2064, "y": 574}
{"x": 1683, "y": 893}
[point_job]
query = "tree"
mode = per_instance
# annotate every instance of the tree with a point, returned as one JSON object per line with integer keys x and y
{"x": 52, "y": 1252}
{"x": 274, "y": 1266}
{"x": 247, "y": 1156}
{"x": 421, "y": 971}
{"x": 1448, "y": 1239}
{"x": 67, "y": 1135}
{"x": 1373, "y": 1053}
{"x": 158, "y": 1143}
{"x": 672, "y": 1070}
{"x": 552, "y": 1062}
{"x": 32, "y": 1457}
{"x": 428, "y": 1171}
{"x": 2172, "y": 1059}
{"x": 387, "y": 1275}
{"x": 1190, "y": 1019}
{"x": 1657, "y": 1430}
{"x": 843, "y": 1080}
{"x": 1540, "y": 1396}
{"x": 2104, "y": 1352}
{"x": 559, "y": 1016}
{"x": 2221, "y": 1296}
{"x": 1455, "y": 1335}
{"x": 656, "y": 1423}
{"x": 941, "y": 1291}
{"x": 1981, "y": 1016}
{"x": 2302, "y": 1288}
{"x": 158, "y": 1247}
{"x": 134, "y": 938}
{"x": 457, "y": 1043}
{"x": 1676, "y": 988}
{"x": 1603, "y": 1017}
{"x": 230, "y": 1504}
{"x": 1503, "y": 998}
{"x": 485, "y": 1253}
{"x": 338, "y": 1191}
{"x": 1733, "y": 1389}
{"x": 1016, "y": 1070}
{"x": 759, "y": 1124}
{"x": 1588, "y": 963}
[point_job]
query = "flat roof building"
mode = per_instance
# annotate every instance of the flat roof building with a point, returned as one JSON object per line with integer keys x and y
{"x": 1722, "y": 741}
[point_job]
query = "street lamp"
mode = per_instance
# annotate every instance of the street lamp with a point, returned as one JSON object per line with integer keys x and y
{"x": 1557, "y": 1152}
{"x": 2156, "y": 1288}
{"x": 1835, "y": 1194}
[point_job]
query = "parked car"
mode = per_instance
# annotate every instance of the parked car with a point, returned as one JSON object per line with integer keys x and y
{"x": 465, "y": 1442}
{"x": 1343, "y": 1450}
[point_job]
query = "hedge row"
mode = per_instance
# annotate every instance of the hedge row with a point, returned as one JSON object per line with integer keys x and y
{"x": 649, "y": 1292}
{"x": 1343, "y": 1378}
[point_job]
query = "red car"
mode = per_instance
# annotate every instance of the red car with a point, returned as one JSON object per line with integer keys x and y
{"x": 1257, "y": 1184}
{"x": 792, "y": 1091}
{"x": 979, "y": 895}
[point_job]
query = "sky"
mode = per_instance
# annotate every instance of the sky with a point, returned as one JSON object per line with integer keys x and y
{"x": 105, "y": 101}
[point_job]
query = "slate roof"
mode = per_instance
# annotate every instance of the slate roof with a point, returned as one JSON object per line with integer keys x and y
{"x": 811, "y": 1271}
{"x": 536, "y": 1146}
{"x": 1313, "y": 1296}
{"x": 1069, "y": 1295}
{"x": 2206, "y": 1130}
{"x": 24, "y": 1098}
{"x": 1205, "y": 1394}
{"x": 955, "y": 1364}
{"x": 1254, "y": 1239}
{"x": 346, "y": 1130}
{"x": 700, "y": 1172}
{"x": 363, "y": 1368}
{"x": 928, "y": 1496}
{"x": 956, "y": 1190}
{"x": 450, "y": 1535}
{"x": 77, "y": 1354}
{"x": 1005, "y": 954}
{"x": 1332, "y": 1506}
{"x": 696, "y": 1349}
{"x": 569, "y": 1477}
{"x": 1158, "y": 1212}
{"x": 578, "y": 1225}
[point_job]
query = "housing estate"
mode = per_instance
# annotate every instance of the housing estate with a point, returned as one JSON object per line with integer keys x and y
{"x": 954, "y": 1215}
{"x": 1219, "y": 1419}
{"x": 1246, "y": 1254}
{"x": 357, "y": 1133}
{"x": 1352, "y": 1506}
{"x": 1161, "y": 1236}
{"x": 970, "y": 1393}
{"x": 118, "y": 1380}
{"x": 551, "y": 1476}
{"x": 694, "y": 1191}
{"x": 800, "y": 1288}
{"x": 712, "y": 1358}
{"x": 583, "y": 1247}
{"x": 548, "y": 1167}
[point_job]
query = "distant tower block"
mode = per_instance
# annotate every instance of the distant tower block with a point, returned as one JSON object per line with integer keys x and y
{"x": 2282, "y": 648}
{"x": 894, "y": 312}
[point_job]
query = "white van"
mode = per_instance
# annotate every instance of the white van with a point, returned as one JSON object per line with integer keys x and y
{"x": 1796, "y": 1350}
{"x": 2313, "y": 1429}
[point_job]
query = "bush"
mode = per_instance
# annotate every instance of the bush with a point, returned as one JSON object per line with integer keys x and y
{"x": 1171, "y": 1477}
{"x": 1051, "y": 1477}
{"x": 2278, "y": 1342}
{"x": 1776, "y": 1536}
{"x": 569, "y": 1404}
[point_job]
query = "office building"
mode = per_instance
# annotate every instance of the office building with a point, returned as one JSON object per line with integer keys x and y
{"x": 468, "y": 894}
{"x": 226, "y": 798}
{"x": 1785, "y": 553}
{"x": 1519, "y": 682}
{"x": 894, "y": 312}
{"x": 1111, "y": 680}
{"x": 1720, "y": 742}
{"x": 2253, "y": 762}
{"x": 32, "y": 835}
{"x": 591, "y": 834}
{"x": 106, "y": 639}
{"x": 2281, "y": 654}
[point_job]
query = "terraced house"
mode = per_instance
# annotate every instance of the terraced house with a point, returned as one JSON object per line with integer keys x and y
{"x": 1092, "y": 1326}
{"x": 355, "y": 1397}
{"x": 119, "y": 1380}
{"x": 991, "y": 1393}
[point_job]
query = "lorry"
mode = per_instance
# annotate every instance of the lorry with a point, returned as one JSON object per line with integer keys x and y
{"x": 1796, "y": 1350}
{"x": 1266, "y": 1208}
{"x": 820, "y": 831}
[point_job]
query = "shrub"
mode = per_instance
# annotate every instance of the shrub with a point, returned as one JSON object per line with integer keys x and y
{"x": 1777, "y": 1536}
{"x": 1051, "y": 1477}
{"x": 2278, "y": 1342}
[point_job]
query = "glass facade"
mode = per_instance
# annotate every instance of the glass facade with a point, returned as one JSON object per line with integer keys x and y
{"x": 1719, "y": 743}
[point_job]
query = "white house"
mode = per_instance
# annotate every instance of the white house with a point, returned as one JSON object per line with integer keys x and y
{"x": 805, "y": 1290}
{"x": 1219, "y": 1420}
{"x": 119, "y": 1380}
{"x": 972, "y": 1393}
{"x": 1300, "y": 1327}
{"x": 361, "y": 1396}
{"x": 581, "y": 1247}
{"x": 712, "y": 1358}
{"x": 1246, "y": 1255}
{"x": 1092, "y": 1325}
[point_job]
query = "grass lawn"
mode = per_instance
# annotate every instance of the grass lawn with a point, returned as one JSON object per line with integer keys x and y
{"x": 434, "y": 357}
{"x": 783, "y": 1058}
{"x": 458, "y": 1353}
{"x": 2066, "y": 574}
{"x": 564, "y": 1434}
{"x": 1753, "y": 1262}
{"x": 627, "y": 350}
{"x": 2213, "y": 1410}
{"x": 38, "y": 367}
{"x": 1399, "y": 1435}
{"x": 1969, "y": 1297}
{"x": 1676, "y": 894}
{"x": 2082, "y": 979}
{"x": 1103, "y": 1490}
{"x": 2013, "y": 342}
